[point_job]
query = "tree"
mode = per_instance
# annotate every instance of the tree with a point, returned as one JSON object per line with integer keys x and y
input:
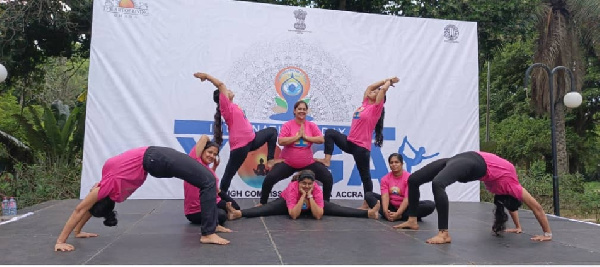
{"x": 565, "y": 27}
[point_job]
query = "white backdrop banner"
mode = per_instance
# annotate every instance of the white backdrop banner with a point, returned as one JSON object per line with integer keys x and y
{"x": 142, "y": 90}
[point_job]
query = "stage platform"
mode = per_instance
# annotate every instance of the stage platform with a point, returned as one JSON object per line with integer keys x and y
{"x": 156, "y": 232}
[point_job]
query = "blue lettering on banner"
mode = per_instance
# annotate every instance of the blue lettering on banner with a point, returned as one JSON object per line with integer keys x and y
{"x": 196, "y": 127}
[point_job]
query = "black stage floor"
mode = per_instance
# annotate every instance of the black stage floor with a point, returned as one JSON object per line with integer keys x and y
{"x": 156, "y": 232}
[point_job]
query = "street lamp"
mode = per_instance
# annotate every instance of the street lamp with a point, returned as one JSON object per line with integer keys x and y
{"x": 3, "y": 73}
{"x": 572, "y": 100}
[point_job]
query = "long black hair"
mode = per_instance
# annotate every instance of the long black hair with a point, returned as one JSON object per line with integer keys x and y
{"x": 500, "y": 216}
{"x": 217, "y": 130}
{"x": 105, "y": 208}
{"x": 379, "y": 127}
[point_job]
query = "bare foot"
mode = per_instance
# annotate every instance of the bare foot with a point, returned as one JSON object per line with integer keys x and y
{"x": 325, "y": 162}
{"x": 410, "y": 224}
{"x": 213, "y": 239}
{"x": 441, "y": 238}
{"x": 232, "y": 213}
{"x": 364, "y": 206}
{"x": 374, "y": 212}
{"x": 258, "y": 205}
{"x": 222, "y": 229}
{"x": 271, "y": 163}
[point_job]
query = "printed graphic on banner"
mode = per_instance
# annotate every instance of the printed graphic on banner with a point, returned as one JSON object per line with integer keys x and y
{"x": 254, "y": 169}
{"x": 126, "y": 8}
{"x": 299, "y": 25}
{"x": 292, "y": 84}
{"x": 419, "y": 155}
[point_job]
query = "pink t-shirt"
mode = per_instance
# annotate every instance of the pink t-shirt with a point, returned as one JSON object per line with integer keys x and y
{"x": 501, "y": 177}
{"x": 298, "y": 155}
{"x": 396, "y": 187}
{"x": 240, "y": 129}
{"x": 364, "y": 120}
{"x": 122, "y": 175}
{"x": 292, "y": 194}
{"x": 191, "y": 194}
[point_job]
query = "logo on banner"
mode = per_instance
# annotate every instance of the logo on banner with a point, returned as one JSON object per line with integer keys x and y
{"x": 254, "y": 169}
{"x": 410, "y": 162}
{"x": 126, "y": 8}
{"x": 451, "y": 33}
{"x": 292, "y": 84}
{"x": 300, "y": 26}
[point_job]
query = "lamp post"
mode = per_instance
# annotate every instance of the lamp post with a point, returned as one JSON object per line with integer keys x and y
{"x": 572, "y": 100}
{"x": 3, "y": 73}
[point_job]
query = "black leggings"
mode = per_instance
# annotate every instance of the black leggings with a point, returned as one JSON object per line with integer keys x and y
{"x": 281, "y": 171}
{"x": 463, "y": 168}
{"x": 424, "y": 208}
{"x": 279, "y": 207}
{"x": 362, "y": 156}
{"x": 165, "y": 162}
{"x": 196, "y": 218}
{"x": 238, "y": 155}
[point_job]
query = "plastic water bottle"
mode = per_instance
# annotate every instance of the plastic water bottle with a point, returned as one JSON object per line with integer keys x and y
{"x": 12, "y": 203}
{"x": 5, "y": 208}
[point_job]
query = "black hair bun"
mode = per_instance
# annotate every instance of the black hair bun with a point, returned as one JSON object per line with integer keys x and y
{"x": 111, "y": 219}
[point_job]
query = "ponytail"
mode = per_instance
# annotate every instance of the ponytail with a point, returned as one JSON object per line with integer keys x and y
{"x": 379, "y": 129}
{"x": 217, "y": 130}
{"x": 500, "y": 218}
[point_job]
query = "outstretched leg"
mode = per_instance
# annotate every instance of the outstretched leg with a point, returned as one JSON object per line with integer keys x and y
{"x": 236, "y": 159}
{"x": 333, "y": 137}
{"x": 162, "y": 162}
{"x": 276, "y": 207}
{"x": 423, "y": 175}
{"x": 268, "y": 136}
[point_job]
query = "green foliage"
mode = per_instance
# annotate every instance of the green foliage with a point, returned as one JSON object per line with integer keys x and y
{"x": 9, "y": 107}
{"x": 43, "y": 181}
{"x": 522, "y": 139}
{"x": 55, "y": 135}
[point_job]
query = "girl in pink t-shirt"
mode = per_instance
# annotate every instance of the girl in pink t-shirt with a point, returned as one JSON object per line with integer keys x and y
{"x": 123, "y": 174}
{"x": 499, "y": 177}
{"x": 205, "y": 152}
{"x": 242, "y": 138}
{"x": 394, "y": 191}
{"x": 296, "y": 137}
{"x": 366, "y": 119}
{"x": 302, "y": 196}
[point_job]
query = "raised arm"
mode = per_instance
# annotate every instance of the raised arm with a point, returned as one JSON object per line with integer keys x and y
{"x": 77, "y": 219}
{"x": 539, "y": 215}
{"x": 201, "y": 144}
{"x": 374, "y": 86}
{"x": 216, "y": 82}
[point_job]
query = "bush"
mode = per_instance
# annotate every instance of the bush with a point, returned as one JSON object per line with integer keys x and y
{"x": 43, "y": 181}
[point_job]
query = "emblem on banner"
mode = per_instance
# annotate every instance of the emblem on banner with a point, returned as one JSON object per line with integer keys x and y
{"x": 451, "y": 33}
{"x": 292, "y": 84}
{"x": 126, "y": 8}
{"x": 300, "y": 26}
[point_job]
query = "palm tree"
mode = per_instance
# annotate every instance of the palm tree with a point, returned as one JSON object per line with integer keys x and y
{"x": 565, "y": 27}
